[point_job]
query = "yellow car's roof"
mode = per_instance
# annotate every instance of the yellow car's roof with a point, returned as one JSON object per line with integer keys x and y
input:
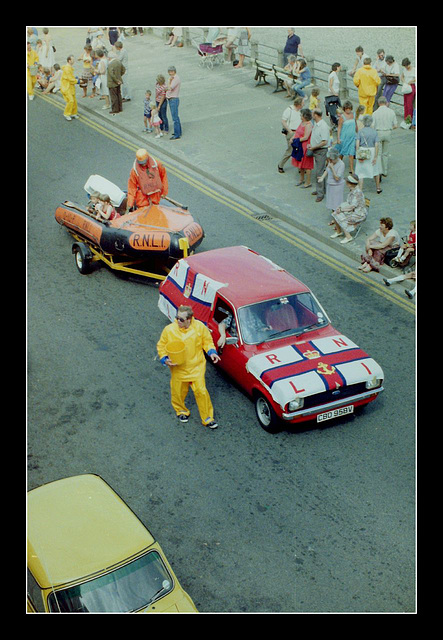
{"x": 78, "y": 526}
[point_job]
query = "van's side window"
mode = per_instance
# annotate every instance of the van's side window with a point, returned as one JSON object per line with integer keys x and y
{"x": 224, "y": 313}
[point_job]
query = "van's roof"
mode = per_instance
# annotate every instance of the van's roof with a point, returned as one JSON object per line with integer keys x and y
{"x": 248, "y": 276}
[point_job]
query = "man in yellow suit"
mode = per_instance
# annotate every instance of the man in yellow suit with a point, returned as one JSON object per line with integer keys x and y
{"x": 366, "y": 79}
{"x": 31, "y": 59}
{"x": 67, "y": 88}
{"x": 195, "y": 338}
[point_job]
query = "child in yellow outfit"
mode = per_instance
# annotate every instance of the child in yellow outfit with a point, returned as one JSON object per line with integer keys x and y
{"x": 313, "y": 100}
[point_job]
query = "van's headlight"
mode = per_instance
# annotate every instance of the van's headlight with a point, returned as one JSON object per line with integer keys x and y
{"x": 296, "y": 404}
{"x": 374, "y": 383}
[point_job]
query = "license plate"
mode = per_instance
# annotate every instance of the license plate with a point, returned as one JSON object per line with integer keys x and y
{"x": 335, "y": 413}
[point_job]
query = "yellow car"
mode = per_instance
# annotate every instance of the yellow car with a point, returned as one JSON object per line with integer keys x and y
{"x": 88, "y": 552}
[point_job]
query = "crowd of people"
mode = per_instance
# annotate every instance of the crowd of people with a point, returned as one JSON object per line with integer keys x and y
{"x": 105, "y": 75}
{"x": 320, "y": 149}
{"x": 362, "y": 139}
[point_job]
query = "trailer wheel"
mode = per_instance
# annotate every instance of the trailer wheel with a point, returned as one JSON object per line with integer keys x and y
{"x": 82, "y": 257}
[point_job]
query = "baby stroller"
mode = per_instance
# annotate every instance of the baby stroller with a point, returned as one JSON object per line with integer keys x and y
{"x": 331, "y": 105}
{"x": 210, "y": 55}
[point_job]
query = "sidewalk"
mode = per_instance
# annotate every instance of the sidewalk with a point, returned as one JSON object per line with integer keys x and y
{"x": 232, "y": 135}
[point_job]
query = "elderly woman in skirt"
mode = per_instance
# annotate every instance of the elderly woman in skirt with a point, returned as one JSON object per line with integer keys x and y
{"x": 335, "y": 184}
{"x": 385, "y": 238}
{"x": 367, "y": 138}
{"x": 350, "y": 214}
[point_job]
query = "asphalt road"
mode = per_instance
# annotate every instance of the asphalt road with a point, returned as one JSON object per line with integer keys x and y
{"x": 307, "y": 520}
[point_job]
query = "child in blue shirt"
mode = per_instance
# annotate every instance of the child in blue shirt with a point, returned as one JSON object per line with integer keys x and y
{"x": 147, "y": 112}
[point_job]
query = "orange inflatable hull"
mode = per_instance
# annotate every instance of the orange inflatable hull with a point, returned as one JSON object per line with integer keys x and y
{"x": 154, "y": 230}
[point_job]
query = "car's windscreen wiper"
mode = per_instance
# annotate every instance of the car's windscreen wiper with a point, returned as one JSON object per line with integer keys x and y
{"x": 165, "y": 585}
{"x": 294, "y": 331}
{"x": 310, "y": 327}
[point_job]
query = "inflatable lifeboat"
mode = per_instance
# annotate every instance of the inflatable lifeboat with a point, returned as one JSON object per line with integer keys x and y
{"x": 157, "y": 230}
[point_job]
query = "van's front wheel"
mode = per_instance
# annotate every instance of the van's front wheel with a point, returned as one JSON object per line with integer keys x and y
{"x": 266, "y": 415}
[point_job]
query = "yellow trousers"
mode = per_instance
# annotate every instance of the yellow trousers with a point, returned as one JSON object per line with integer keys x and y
{"x": 368, "y": 102}
{"x": 179, "y": 391}
{"x": 71, "y": 103}
{"x": 31, "y": 84}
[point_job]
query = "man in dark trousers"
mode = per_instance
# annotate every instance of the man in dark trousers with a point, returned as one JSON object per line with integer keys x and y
{"x": 114, "y": 81}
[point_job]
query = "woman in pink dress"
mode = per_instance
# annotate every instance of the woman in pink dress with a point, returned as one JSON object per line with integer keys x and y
{"x": 306, "y": 164}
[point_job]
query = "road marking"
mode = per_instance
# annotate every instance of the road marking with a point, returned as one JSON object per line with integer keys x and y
{"x": 270, "y": 225}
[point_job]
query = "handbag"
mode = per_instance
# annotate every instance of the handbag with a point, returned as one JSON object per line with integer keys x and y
{"x": 406, "y": 88}
{"x": 391, "y": 79}
{"x": 363, "y": 153}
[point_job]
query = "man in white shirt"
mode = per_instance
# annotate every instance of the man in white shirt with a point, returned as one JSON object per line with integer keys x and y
{"x": 384, "y": 121}
{"x": 122, "y": 55}
{"x": 380, "y": 67}
{"x": 358, "y": 62}
{"x": 319, "y": 147}
{"x": 291, "y": 119}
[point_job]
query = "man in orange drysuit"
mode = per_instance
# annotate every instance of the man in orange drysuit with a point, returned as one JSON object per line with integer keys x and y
{"x": 196, "y": 339}
{"x": 148, "y": 181}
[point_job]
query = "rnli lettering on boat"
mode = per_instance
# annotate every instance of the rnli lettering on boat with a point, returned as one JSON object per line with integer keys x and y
{"x": 154, "y": 241}
{"x": 79, "y": 222}
{"x": 193, "y": 232}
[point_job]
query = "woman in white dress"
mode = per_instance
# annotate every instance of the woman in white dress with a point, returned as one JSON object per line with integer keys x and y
{"x": 367, "y": 138}
{"x": 47, "y": 55}
{"x": 102, "y": 69}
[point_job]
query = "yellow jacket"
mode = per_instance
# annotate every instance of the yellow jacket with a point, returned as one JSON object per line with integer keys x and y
{"x": 367, "y": 80}
{"x": 196, "y": 339}
{"x": 32, "y": 58}
{"x": 68, "y": 79}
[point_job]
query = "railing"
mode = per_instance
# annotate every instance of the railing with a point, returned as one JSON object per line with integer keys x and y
{"x": 346, "y": 83}
{"x": 320, "y": 70}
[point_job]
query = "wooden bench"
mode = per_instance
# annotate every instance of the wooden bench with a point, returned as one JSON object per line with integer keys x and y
{"x": 281, "y": 75}
{"x": 263, "y": 69}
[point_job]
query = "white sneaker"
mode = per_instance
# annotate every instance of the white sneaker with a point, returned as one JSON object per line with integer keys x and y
{"x": 75, "y": 117}
{"x": 68, "y": 118}
{"x": 31, "y": 97}
{"x": 336, "y": 235}
{"x": 159, "y": 135}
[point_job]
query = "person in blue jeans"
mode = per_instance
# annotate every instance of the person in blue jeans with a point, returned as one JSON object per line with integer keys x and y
{"x": 172, "y": 94}
{"x": 161, "y": 102}
{"x": 304, "y": 78}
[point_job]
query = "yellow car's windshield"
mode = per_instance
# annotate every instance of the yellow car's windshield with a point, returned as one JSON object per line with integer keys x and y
{"x": 129, "y": 588}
